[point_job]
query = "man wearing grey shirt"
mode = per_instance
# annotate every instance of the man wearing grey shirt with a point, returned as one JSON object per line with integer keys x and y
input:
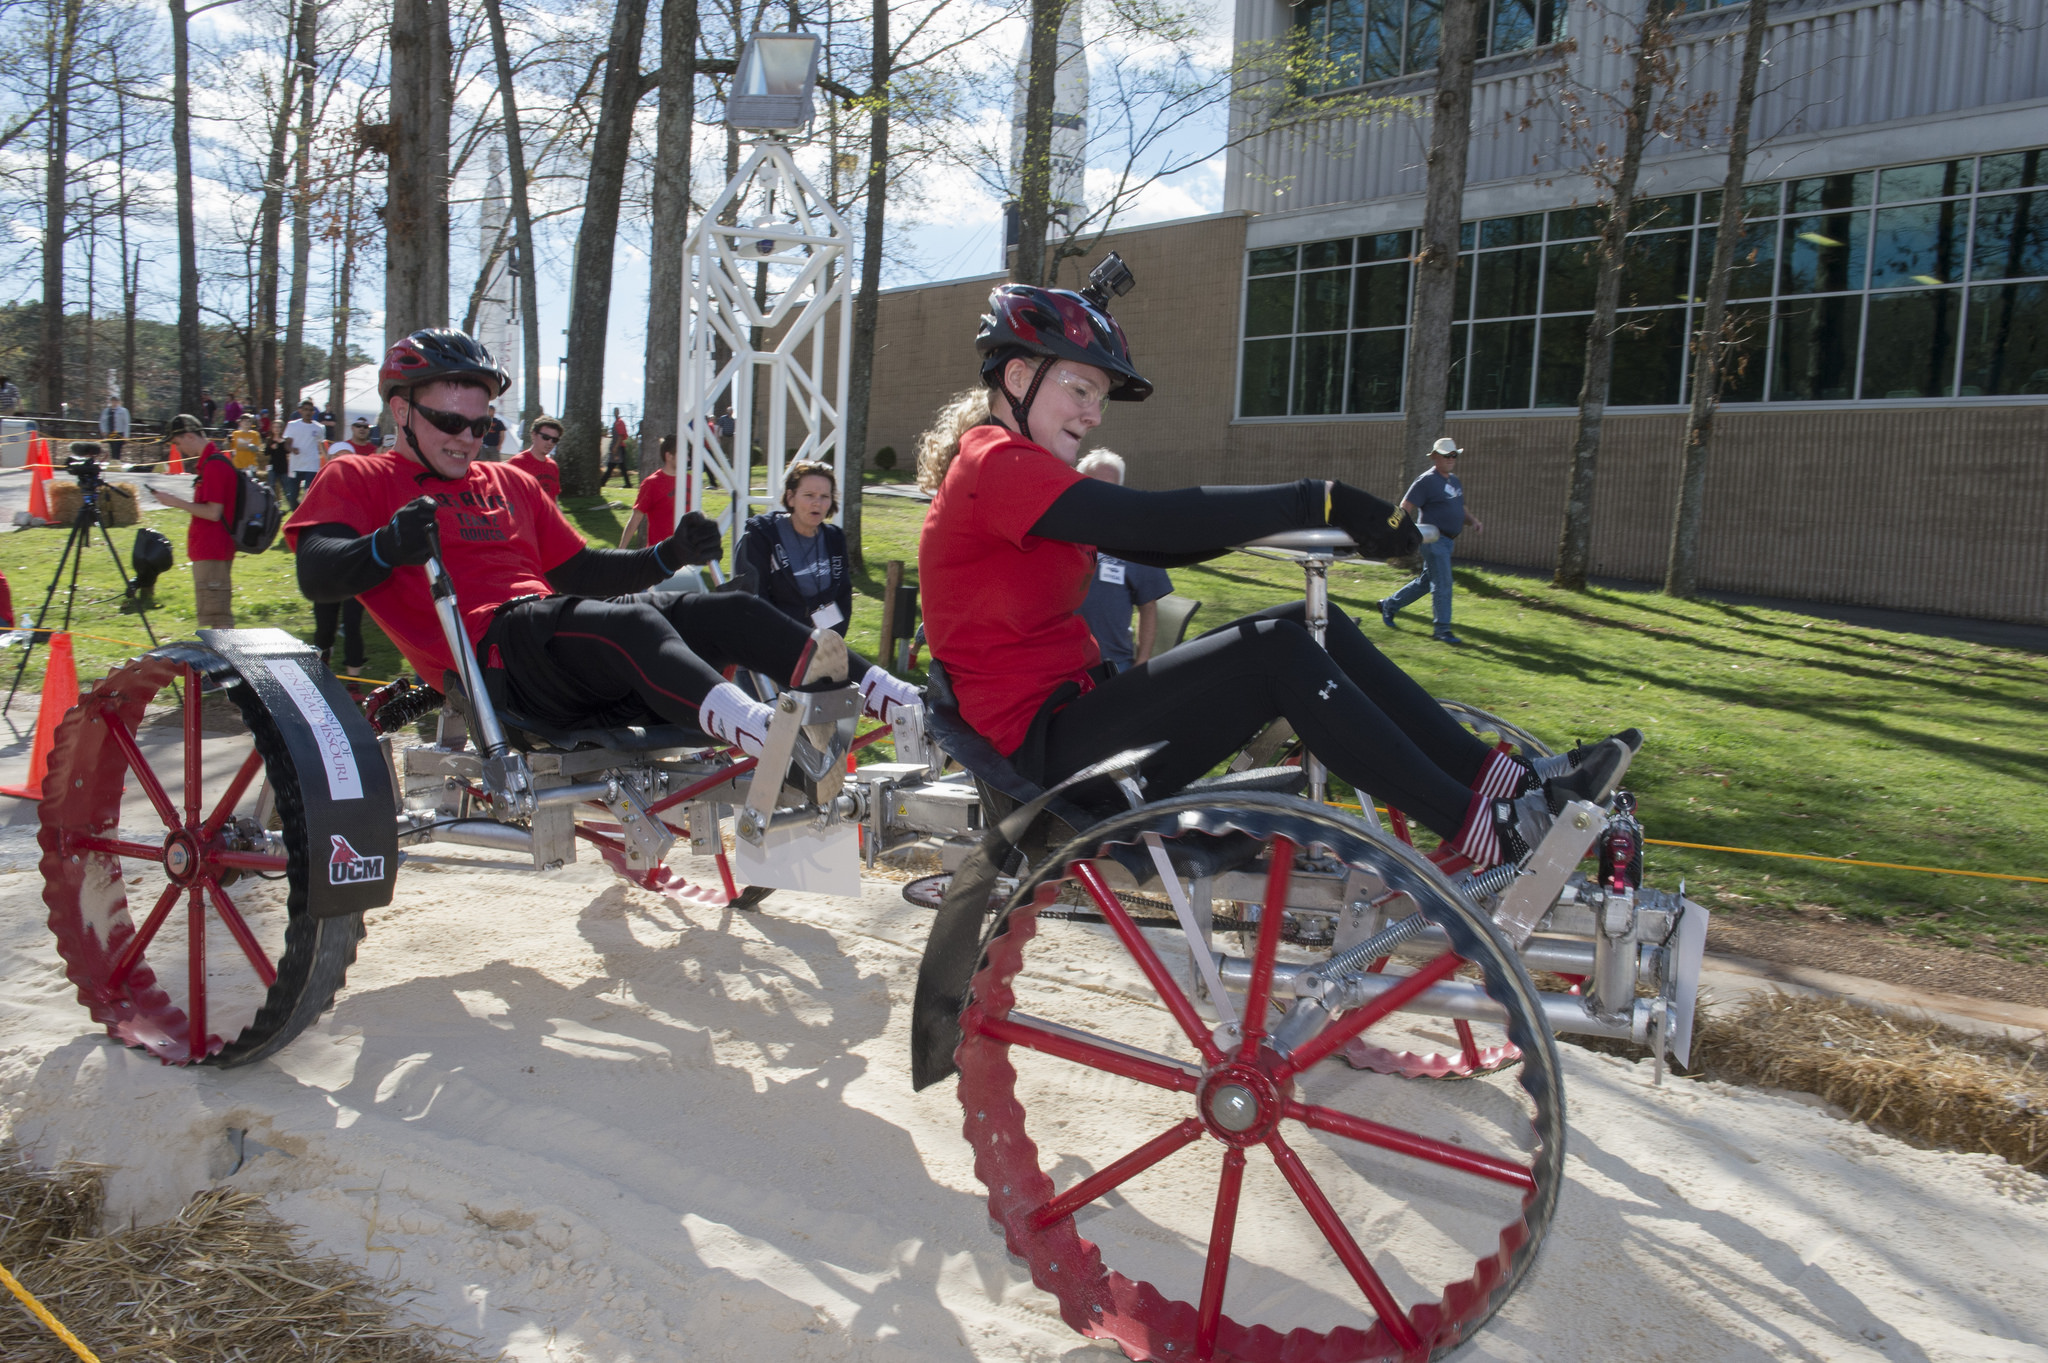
{"x": 1437, "y": 502}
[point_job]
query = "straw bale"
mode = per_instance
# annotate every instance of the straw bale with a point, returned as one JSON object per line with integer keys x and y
{"x": 222, "y": 1281}
{"x": 1910, "y": 1077}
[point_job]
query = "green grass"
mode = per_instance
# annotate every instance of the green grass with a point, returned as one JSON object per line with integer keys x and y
{"x": 1766, "y": 729}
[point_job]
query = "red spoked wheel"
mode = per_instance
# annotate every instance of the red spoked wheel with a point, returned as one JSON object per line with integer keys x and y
{"x": 227, "y": 964}
{"x": 1188, "y": 1191}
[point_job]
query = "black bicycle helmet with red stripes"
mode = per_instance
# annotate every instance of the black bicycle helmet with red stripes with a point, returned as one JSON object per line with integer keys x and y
{"x": 434, "y": 353}
{"x": 1024, "y": 322}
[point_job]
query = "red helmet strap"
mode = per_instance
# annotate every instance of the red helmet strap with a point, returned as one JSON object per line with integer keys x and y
{"x": 1021, "y": 410}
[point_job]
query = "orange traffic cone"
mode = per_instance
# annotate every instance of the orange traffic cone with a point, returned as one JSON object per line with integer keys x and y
{"x": 39, "y": 452}
{"x": 60, "y": 693}
{"x": 177, "y": 460}
{"x": 38, "y": 502}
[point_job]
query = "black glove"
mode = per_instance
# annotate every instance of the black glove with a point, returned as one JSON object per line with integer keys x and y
{"x": 696, "y": 540}
{"x": 1382, "y": 529}
{"x": 408, "y": 537}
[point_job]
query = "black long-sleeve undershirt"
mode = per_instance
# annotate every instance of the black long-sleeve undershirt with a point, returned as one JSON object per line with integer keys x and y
{"x": 1183, "y": 526}
{"x": 335, "y": 563}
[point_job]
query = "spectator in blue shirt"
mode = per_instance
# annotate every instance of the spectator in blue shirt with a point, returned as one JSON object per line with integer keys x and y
{"x": 1119, "y": 586}
{"x": 1437, "y": 502}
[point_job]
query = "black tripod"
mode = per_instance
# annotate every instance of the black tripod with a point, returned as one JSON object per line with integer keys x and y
{"x": 87, "y": 471}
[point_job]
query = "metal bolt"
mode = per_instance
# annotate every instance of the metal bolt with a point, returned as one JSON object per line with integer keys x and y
{"x": 78, "y": 784}
{"x": 1581, "y": 821}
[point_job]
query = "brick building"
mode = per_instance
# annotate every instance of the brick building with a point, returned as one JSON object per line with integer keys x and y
{"x": 1886, "y": 442}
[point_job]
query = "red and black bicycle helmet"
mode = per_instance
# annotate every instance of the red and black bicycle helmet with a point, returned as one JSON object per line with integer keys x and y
{"x": 1023, "y": 322}
{"x": 434, "y": 353}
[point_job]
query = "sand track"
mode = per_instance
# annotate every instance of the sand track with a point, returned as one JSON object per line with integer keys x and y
{"x": 590, "y": 1124}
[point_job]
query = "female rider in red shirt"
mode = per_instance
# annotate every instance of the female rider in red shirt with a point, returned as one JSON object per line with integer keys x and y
{"x": 1004, "y": 562}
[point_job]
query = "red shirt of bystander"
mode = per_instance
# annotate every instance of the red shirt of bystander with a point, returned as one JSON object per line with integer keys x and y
{"x": 209, "y": 541}
{"x": 1001, "y": 606}
{"x": 657, "y": 502}
{"x": 500, "y": 534}
{"x": 541, "y": 469}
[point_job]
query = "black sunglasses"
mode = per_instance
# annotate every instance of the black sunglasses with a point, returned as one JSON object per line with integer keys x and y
{"x": 452, "y": 423}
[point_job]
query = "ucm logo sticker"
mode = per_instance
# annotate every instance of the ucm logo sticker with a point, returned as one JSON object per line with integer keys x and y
{"x": 349, "y": 867}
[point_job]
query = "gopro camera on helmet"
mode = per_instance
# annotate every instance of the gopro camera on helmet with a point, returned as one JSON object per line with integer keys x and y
{"x": 1111, "y": 279}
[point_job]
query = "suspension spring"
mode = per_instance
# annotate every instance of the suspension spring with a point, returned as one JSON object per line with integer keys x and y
{"x": 1349, "y": 961}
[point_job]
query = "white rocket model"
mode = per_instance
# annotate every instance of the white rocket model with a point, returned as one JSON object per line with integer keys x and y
{"x": 1069, "y": 122}
{"x": 497, "y": 314}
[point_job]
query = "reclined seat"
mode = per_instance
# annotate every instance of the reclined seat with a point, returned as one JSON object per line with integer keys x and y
{"x": 530, "y": 735}
{"x": 1003, "y": 788}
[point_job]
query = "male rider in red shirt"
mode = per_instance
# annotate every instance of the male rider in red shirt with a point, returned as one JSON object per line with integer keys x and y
{"x": 567, "y": 635}
{"x": 538, "y": 458}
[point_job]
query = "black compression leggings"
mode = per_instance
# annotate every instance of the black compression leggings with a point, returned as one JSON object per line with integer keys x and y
{"x": 625, "y": 657}
{"x": 1357, "y": 711}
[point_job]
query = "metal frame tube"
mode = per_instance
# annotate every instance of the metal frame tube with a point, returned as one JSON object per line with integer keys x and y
{"x": 484, "y": 833}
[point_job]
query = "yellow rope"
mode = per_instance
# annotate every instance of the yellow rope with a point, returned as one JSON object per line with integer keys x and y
{"x": 1849, "y": 861}
{"x": 1801, "y": 856}
{"x": 42, "y": 1314}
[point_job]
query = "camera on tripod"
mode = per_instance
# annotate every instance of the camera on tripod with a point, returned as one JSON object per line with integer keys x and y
{"x": 86, "y": 470}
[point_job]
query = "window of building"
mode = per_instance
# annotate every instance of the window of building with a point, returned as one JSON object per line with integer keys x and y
{"x": 1347, "y": 43}
{"x": 1923, "y": 281}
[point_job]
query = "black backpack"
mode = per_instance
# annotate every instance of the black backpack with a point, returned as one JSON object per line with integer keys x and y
{"x": 254, "y": 518}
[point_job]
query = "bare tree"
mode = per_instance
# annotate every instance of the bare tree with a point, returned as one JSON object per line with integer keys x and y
{"x": 669, "y": 205}
{"x": 416, "y": 200}
{"x": 61, "y": 41}
{"x": 590, "y": 292}
{"x": 1652, "y": 67}
{"x": 1436, "y": 256}
{"x": 1034, "y": 188}
{"x": 524, "y": 261}
{"x": 1710, "y": 343}
{"x": 306, "y": 39}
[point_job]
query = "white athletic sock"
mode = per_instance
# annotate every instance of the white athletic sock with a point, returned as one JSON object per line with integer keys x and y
{"x": 880, "y": 692}
{"x": 732, "y": 716}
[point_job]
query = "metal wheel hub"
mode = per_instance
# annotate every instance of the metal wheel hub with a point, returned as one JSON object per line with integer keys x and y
{"x": 1240, "y": 1104}
{"x": 184, "y": 859}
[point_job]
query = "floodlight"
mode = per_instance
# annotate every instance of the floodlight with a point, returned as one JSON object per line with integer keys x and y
{"x": 772, "y": 87}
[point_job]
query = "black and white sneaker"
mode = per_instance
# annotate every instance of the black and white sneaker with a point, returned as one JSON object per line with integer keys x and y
{"x": 1595, "y": 778}
{"x": 1558, "y": 764}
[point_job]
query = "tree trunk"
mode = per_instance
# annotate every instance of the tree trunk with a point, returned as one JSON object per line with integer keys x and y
{"x": 1681, "y": 571}
{"x": 190, "y": 356}
{"x": 590, "y": 296}
{"x": 1034, "y": 179}
{"x": 344, "y": 295}
{"x": 56, "y": 188}
{"x": 295, "y": 377}
{"x": 270, "y": 227}
{"x": 523, "y": 264}
{"x": 1436, "y": 256}
{"x": 660, "y": 407}
{"x": 129, "y": 286}
{"x": 1575, "y": 543}
{"x": 867, "y": 304}
{"x": 416, "y": 198}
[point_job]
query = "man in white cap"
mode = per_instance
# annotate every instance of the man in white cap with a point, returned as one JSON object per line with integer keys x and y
{"x": 1437, "y": 501}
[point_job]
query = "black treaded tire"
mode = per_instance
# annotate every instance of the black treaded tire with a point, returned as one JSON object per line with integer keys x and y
{"x": 85, "y": 893}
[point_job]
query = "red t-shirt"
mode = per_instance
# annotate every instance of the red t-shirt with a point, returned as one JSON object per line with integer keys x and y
{"x": 657, "y": 502}
{"x": 205, "y": 540}
{"x": 499, "y": 536}
{"x": 363, "y": 446}
{"x": 542, "y": 470}
{"x": 1000, "y": 604}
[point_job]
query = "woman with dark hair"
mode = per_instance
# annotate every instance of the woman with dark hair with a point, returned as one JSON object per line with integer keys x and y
{"x": 795, "y": 557}
{"x": 1008, "y": 548}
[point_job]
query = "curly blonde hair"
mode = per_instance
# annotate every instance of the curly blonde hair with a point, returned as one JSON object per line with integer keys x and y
{"x": 941, "y": 441}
